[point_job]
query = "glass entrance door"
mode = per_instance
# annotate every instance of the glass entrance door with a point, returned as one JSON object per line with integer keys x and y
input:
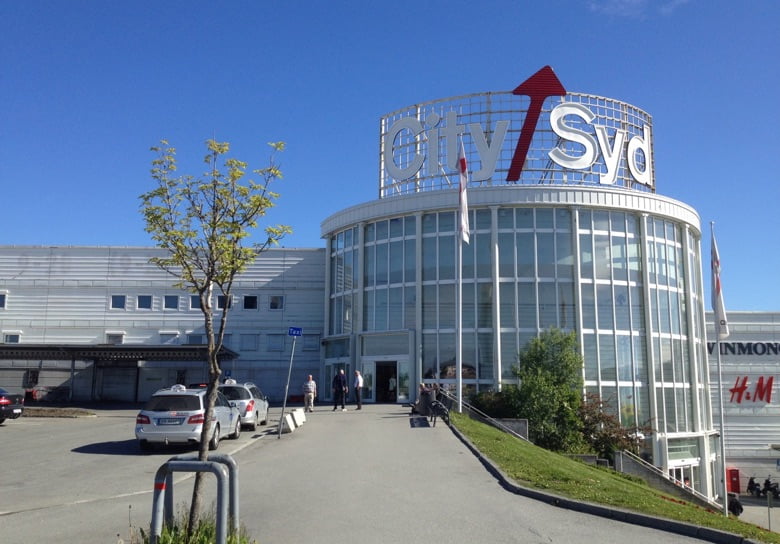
{"x": 386, "y": 381}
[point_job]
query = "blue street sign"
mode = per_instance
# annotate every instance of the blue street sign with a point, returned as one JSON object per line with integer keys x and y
{"x": 294, "y": 331}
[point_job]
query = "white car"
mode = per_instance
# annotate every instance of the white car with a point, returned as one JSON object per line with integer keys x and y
{"x": 252, "y": 404}
{"x": 176, "y": 415}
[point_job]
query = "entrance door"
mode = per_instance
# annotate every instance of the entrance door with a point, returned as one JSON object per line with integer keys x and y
{"x": 386, "y": 381}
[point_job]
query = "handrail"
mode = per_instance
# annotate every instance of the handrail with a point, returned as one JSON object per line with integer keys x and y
{"x": 482, "y": 415}
{"x": 663, "y": 474}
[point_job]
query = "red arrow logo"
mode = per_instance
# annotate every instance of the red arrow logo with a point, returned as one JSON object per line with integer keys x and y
{"x": 539, "y": 86}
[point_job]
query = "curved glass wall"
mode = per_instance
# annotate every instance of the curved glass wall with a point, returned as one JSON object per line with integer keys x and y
{"x": 612, "y": 295}
{"x": 617, "y": 278}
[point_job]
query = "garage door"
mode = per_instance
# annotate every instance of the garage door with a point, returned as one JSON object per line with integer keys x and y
{"x": 118, "y": 384}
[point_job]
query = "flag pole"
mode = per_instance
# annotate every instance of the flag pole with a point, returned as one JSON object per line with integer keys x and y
{"x": 722, "y": 425}
{"x": 720, "y": 316}
{"x": 459, "y": 324}
{"x": 463, "y": 236}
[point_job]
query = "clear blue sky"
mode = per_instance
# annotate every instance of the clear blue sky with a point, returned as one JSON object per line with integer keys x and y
{"x": 86, "y": 87}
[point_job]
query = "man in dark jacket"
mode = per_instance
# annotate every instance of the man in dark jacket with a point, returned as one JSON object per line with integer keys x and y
{"x": 339, "y": 390}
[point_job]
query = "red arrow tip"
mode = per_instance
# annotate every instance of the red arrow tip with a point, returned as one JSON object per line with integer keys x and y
{"x": 542, "y": 84}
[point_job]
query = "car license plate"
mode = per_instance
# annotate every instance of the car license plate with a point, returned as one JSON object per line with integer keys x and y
{"x": 17, "y": 410}
{"x": 169, "y": 421}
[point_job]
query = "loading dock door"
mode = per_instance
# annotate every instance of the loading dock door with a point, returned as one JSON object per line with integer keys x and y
{"x": 116, "y": 383}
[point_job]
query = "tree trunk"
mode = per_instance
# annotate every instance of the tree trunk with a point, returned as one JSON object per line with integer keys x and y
{"x": 203, "y": 449}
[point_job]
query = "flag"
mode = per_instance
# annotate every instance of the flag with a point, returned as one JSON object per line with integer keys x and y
{"x": 463, "y": 203}
{"x": 721, "y": 324}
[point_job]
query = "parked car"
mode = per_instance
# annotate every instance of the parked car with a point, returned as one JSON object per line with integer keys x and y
{"x": 252, "y": 404}
{"x": 176, "y": 415}
{"x": 11, "y": 405}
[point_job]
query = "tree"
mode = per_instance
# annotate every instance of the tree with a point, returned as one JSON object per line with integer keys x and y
{"x": 603, "y": 431}
{"x": 549, "y": 394}
{"x": 202, "y": 223}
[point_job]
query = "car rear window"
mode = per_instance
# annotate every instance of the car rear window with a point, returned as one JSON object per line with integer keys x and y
{"x": 171, "y": 403}
{"x": 235, "y": 393}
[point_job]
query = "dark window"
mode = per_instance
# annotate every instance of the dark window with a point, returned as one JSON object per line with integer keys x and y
{"x": 171, "y": 302}
{"x": 194, "y": 302}
{"x": 250, "y": 302}
{"x": 172, "y": 403}
{"x": 221, "y": 299}
{"x": 118, "y": 302}
{"x": 276, "y": 302}
{"x": 144, "y": 302}
{"x": 234, "y": 393}
{"x": 2, "y": 301}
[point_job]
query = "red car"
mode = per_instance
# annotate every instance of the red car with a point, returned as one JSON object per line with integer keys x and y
{"x": 11, "y": 405}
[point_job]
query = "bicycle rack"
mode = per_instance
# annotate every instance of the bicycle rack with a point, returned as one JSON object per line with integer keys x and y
{"x": 226, "y": 471}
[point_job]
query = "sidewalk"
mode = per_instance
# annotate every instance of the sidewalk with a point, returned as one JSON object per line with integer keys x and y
{"x": 378, "y": 475}
{"x": 756, "y": 512}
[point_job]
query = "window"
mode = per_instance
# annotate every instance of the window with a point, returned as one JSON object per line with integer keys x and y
{"x": 171, "y": 302}
{"x": 194, "y": 302}
{"x": 276, "y": 302}
{"x": 250, "y": 302}
{"x": 11, "y": 338}
{"x": 118, "y": 302}
{"x": 311, "y": 342}
{"x": 250, "y": 342}
{"x": 2, "y": 300}
{"x": 222, "y": 301}
{"x": 196, "y": 338}
{"x": 115, "y": 338}
{"x": 169, "y": 338}
{"x": 32, "y": 377}
{"x": 275, "y": 342}
{"x": 144, "y": 302}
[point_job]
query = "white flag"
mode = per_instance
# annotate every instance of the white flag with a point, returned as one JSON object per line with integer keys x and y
{"x": 721, "y": 323}
{"x": 463, "y": 203}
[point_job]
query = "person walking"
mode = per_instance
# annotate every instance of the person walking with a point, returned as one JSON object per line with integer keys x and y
{"x": 340, "y": 390}
{"x": 358, "y": 385}
{"x": 309, "y": 394}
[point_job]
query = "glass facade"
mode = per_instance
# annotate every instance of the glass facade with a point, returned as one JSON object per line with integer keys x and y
{"x": 627, "y": 282}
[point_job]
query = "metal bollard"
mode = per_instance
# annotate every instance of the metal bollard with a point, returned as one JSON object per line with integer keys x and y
{"x": 226, "y": 472}
{"x": 232, "y": 468}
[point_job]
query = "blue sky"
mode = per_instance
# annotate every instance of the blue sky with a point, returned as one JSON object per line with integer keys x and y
{"x": 86, "y": 87}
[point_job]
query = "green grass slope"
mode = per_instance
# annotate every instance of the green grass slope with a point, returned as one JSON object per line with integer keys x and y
{"x": 536, "y": 468}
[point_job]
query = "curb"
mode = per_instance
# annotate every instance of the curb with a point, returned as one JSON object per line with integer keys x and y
{"x": 635, "y": 518}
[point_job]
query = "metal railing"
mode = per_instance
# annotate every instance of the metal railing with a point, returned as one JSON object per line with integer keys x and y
{"x": 226, "y": 471}
{"x": 661, "y": 473}
{"x": 449, "y": 401}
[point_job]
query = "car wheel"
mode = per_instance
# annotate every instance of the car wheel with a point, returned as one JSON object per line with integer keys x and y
{"x": 265, "y": 418}
{"x": 237, "y": 431}
{"x": 214, "y": 442}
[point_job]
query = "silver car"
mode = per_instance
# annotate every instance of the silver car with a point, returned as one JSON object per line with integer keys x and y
{"x": 252, "y": 404}
{"x": 176, "y": 415}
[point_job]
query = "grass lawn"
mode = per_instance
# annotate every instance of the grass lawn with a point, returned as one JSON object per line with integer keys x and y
{"x": 536, "y": 468}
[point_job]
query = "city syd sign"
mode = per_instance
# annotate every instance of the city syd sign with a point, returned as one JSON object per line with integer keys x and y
{"x": 565, "y": 120}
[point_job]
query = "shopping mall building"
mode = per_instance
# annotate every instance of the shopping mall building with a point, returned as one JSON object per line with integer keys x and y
{"x": 566, "y": 230}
